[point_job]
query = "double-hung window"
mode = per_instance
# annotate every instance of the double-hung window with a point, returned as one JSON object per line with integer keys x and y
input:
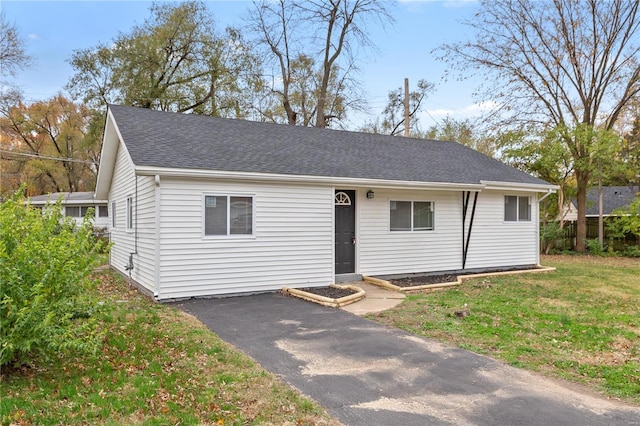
{"x": 228, "y": 215}
{"x": 411, "y": 215}
{"x": 517, "y": 208}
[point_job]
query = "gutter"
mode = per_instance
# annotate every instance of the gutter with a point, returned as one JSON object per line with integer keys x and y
{"x": 327, "y": 180}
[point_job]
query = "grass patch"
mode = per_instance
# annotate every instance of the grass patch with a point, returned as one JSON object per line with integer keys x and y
{"x": 580, "y": 323}
{"x": 157, "y": 366}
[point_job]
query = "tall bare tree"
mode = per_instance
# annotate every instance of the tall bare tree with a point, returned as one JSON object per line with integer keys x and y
{"x": 560, "y": 63}
{"x": 13, "y": 56}
{"x": 322, "y": 36}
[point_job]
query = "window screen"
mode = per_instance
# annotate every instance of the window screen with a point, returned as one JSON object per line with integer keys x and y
{"x": 400, "y": 215}
{"x": 510, "y": 208}
{"x": 524, "y": 209}
{"x": 215, "y": 215}
{"x": 422, "y": 216}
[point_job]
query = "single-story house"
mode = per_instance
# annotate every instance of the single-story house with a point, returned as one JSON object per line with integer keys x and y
{"x": 613, "y": 198}
{"x": 76, "y": 205}
{"x": 204, "y": 206}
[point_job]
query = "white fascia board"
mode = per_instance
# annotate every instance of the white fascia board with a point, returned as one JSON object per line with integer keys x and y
{"x": 327, "y": 180}
{"x": 110, "y": 144}
{"x": 524, "y": 187}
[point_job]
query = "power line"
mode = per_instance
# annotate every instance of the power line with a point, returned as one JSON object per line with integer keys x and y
{"x": 46, "y": 157}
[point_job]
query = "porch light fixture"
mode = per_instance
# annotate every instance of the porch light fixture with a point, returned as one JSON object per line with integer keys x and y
{"x": 370, "y": 194}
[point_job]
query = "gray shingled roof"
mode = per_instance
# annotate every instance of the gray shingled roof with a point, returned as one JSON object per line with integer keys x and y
{"x": 188, "y": 141}
{"x": 613, "y": 197}
{"x": 66, "y": 197}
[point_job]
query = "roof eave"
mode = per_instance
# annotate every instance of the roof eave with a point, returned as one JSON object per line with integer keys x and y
{"x": 525, "y": 187}
{"x": 328, "y": 180}
{"x": 110, "y": 142}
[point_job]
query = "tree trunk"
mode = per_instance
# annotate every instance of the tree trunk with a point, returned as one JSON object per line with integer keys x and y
{"x": 582, "y": 178}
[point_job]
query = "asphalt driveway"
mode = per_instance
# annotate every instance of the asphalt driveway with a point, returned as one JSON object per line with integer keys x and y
{"x": 364, "y": 373}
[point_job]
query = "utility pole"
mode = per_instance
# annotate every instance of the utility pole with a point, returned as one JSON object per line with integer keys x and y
{"x": 406, "y": 108}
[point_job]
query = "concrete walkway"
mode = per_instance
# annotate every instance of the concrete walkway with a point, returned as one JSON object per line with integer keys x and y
{"x": 376, "y": 299}
{"x": 365, "y": 373}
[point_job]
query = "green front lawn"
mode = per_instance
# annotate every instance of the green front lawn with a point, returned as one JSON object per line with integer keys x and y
{"x": 581, "y": 323}
{"x": 157, "y": 366}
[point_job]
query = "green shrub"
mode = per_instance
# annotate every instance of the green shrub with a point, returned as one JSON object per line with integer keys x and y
{"x": 632, "y": 251}
{"x": 552, "y": 236}
{"x": 45, "y": 261}
{"x": 594, "y": 247}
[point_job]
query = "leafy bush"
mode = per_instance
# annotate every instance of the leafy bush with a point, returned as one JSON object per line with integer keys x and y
{"x": 45, "y": 261}
{"x": 552, "y": 236}
{"x": 626, "y": 220}
{"x": 632, "y": 251}
{"x": 594, "y": 247}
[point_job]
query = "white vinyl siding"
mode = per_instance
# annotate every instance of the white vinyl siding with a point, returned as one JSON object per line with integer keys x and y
{"x": 292, "y": 243}
{"x": 381, "y": 251}
{"x": 140, "y": 237}
{"x": 499, "y": 243}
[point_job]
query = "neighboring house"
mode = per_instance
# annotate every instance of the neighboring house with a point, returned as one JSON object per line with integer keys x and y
{"x": 613, "y": 198}
{"x": 205, "y": 206}
{"x": 75, "y": 205}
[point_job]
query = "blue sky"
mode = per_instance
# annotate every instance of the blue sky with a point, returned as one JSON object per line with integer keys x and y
{"x": 53, "y": 29}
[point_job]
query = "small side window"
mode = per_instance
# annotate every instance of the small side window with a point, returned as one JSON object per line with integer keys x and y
{"x": 72, "y": 211}
{"x": 517, "y": 208}
{"x": 113, "y": 214}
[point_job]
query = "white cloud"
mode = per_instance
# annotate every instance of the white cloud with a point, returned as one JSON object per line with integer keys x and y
{"x": 469, "y": 111}
{"x": 33, "y": 36}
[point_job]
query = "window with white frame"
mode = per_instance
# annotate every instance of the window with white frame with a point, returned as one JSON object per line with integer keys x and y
{"x": 103, "y": 211}
{"x": 129, "y": 213}
{"x": 411, "y": 215}
{"x": 228, "y": 215}
{"x": 517, "y": 208}
{"x": 76, "y": 211}
{"x": 113, "y": 214}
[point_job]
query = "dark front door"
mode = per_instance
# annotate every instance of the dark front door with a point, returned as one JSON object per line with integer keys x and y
{"x": 345, "y": 235}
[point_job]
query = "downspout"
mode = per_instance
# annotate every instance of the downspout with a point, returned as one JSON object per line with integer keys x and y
{"x": 549, "y": 192}
{"x": 156, "y": 293}
{"x": 130, "y": 266}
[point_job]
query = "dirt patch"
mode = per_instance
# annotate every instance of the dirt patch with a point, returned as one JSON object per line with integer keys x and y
{"x": 424, "y": 280}
{"x": 330, "y": 292}
{"x": 419, "y": 280}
